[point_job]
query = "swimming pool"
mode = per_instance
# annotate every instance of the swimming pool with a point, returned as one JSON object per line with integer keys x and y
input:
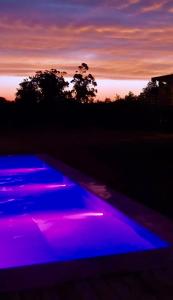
{"x": 46, "y": 217}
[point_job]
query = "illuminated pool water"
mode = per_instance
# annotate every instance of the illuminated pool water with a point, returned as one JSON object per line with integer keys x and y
{"x": 45, "y": 217}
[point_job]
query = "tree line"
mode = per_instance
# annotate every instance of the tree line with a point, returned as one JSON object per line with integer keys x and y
{"x": 50, "y": 87}
{"x": 48, "y": 100}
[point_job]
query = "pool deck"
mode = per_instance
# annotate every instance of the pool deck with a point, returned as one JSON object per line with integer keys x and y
{"x": 152, "y": 280}
{"x": 149, "y": 285}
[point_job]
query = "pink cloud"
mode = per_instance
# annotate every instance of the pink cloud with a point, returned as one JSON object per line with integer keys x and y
{"x": 118, "y": 39}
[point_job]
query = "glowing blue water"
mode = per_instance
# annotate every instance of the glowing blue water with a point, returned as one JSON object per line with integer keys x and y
{"x": 45, "y": 217}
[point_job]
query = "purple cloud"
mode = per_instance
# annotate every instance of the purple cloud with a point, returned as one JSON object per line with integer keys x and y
{"x": 120, "y": 39}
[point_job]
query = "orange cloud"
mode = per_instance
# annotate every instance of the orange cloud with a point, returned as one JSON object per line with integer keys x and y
{"x": 153, "y": 7}
{"x": 116, "y": 43}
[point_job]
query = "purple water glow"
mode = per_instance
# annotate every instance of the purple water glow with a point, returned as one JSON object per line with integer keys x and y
{"x": 44, "y": 217}
{"x": 19, "y": 171}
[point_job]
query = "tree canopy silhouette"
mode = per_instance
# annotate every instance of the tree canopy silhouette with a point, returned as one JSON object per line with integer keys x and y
{"x": 44, "y": 86}
{"x": 130, "y": 97}
{"x": 51, "y": 87}
{"x": 149, "y": 93}
{"x": 28, "y": 92}
{"x": 84, "y": 85}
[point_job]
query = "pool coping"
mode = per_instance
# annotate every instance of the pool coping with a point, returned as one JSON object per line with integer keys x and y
{"x": 45, "y": 275}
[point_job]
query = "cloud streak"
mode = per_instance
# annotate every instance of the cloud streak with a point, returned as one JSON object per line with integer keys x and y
{"x": 119, "y": 39}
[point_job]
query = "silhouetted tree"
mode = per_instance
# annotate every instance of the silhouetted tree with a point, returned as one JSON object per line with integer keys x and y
{"x": 117, "y": 97}
{"x": 130, "y": 97}
{"x": 107, "y": 100}
{"x": 47, "y": 87}
{"x": 149, "y": 93}
{"x": 84, "y": 85}
{"x": 28, "y": 92}
{"x": 51, "y": 85}
{"x": 99, "y": 101}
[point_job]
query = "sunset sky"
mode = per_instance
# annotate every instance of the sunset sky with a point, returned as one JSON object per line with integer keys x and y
{"x": 125, "y": 42}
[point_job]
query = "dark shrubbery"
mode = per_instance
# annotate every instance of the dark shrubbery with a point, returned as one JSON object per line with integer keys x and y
{"x": 45, "y": 101}
{"x": 116, "y": 115}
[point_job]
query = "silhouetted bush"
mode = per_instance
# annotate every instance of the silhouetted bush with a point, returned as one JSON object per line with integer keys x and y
{"x": 44, "y": 101}
{"x": 118, "y": 115}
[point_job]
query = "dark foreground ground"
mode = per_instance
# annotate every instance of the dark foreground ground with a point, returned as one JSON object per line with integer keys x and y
{"x": 139, "y": 165}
